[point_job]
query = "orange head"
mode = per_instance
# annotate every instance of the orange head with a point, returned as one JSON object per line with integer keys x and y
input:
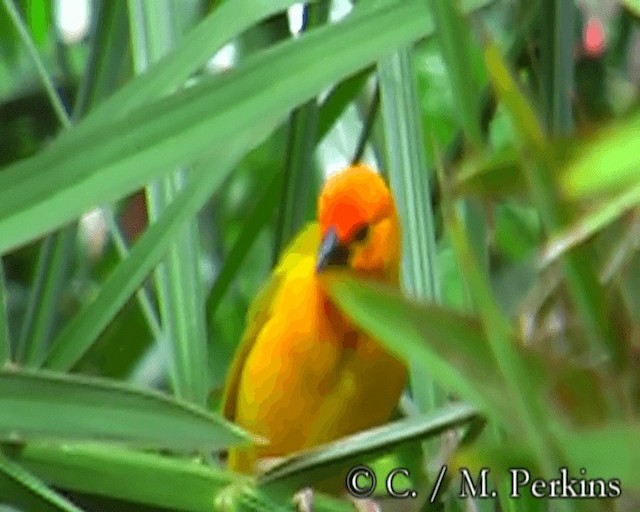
{"x": 358, "y": 222}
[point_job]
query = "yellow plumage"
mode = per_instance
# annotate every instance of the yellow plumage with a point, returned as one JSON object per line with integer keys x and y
{"x": 303, "y": 374}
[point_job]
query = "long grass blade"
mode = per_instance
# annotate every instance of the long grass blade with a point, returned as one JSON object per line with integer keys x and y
{"x": 86, "y": 169}
{"x": 180, "y": 297}
{"x": 137, "y": 477}
{"x": 53, "y": 407}
{"x": 299, "y": 163}
{"x": 5, "y": 340}
{"x": 83, "y": 330}
{"x": 27, "y": 41}
{"x": 409, "y": 176}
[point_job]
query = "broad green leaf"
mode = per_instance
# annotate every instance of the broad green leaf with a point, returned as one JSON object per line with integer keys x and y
{"x": 195, "y": 49}
{"x": 302, "y": 468}
{"x": 43, "y": 405}
{"x": 447, "y": 345}
{"x": 106, "y": 161}
{"x": 134, "y": 476}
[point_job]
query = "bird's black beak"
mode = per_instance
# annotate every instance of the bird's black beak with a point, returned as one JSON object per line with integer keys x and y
{"x": 331, "y": 252}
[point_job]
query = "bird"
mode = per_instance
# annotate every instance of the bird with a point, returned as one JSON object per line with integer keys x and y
{"x": 304, "y": 374}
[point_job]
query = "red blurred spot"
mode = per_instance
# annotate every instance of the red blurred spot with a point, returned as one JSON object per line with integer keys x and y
{"x": 134, "y": 216}
{"x": 593, "y": 38}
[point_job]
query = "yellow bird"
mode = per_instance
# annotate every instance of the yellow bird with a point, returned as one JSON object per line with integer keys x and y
{"x": 303, "y": 375}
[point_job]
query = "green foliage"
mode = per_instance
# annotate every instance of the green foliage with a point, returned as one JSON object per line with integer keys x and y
{"x": 510, "y": 145}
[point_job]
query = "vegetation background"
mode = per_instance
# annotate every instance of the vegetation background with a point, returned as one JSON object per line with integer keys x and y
{"x": 154, "y": 165}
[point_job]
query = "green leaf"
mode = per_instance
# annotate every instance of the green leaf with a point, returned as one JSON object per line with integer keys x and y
{"x": 458, "y": 52}
{"x": 602, "y": 215}
{"x": 195, "y": 49}
{"x": 409, "y": 177}
{"x": 114, "y": 472}
{"x": 86, "y": 168}
{"x": 5, "y": 341}
{"x": 126, "y": 278}
{"x": 21, "y": 488}
{"x": 606, "y": 452}
{"x": 39, "y": 19}
{"x": 300, "y": 469}
{"x": 606, "y": 163}
{"x": 179, "y": 294}
{"x": 338, "y": 99}
{"x": 633, "y": 5}
{"x": 42, "y": 405}
{"x": 492, "y": 177}
{"x": 582, "y": 277}
{"x": 254, "y": 223}
{"x": 44, "y": 300}
{"x": 299, "y": 169}
{"x": 447, "y": 345}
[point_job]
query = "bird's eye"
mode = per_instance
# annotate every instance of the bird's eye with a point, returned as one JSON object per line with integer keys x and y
{"x": 361, "y": 233}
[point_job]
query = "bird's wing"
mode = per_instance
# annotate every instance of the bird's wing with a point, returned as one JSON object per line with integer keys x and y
{"x": 305, "y": 244}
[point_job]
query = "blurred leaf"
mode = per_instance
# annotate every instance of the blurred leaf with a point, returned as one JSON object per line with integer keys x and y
{"x": 180, "y": 298}
{"x": 634, "y": 5}
{"x": 524, "y": 117}
{"x": 453, "y": 287}
{"x": 39, "y": 19}
{"x": 580, "y": 272}
{"x": 40, "y": 318}
{"x": 299, "y": 169}
{"x": 44, "y": 75}
{"x": 447, "y": 345}
{"x": 9, "y": 43}
{"x": 494, "y": 177}
{"x": 460, "y": 56}
{"x": 458, "y": 52}
{"x": 606, "y": 452}
{"x": 51, "y": 406}
{"x": 602, "y": 215}
{"x": 521, "y": 382}
{"x": 606, "y": 163}
{"x": 109, "y": 56}
{"x": 557, "y": 57}
{"x": 517, "y": 230}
